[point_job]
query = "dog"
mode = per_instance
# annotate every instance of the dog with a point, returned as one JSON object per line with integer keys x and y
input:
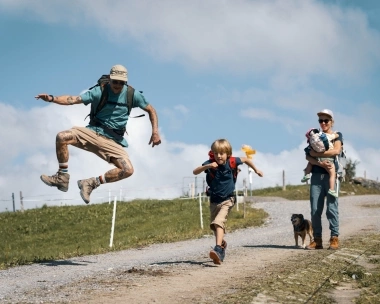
{"x": 301, "y": 227}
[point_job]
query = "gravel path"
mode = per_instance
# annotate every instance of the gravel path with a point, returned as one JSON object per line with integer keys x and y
{"x": 78, "y": 279}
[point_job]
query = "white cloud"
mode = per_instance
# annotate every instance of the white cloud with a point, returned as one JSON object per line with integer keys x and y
{"x": 28, "y": 150}
{"x": 294, "y": 37}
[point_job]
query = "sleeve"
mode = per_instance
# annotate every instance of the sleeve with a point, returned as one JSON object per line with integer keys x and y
{"x": 206, "y": 163}
{"x": 91, "y": 95}
{"x": 139, "y": 100}
{"x": 238, "y": 161}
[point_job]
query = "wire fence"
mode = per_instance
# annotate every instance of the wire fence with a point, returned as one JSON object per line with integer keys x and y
{"x": 189, "y": 187}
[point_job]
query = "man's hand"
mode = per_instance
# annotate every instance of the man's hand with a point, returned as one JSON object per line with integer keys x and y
{"x": 155, "y": 140}
{"x": 44, "y": 97}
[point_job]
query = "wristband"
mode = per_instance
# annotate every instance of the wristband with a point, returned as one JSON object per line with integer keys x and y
{"x": 52, "y": 98}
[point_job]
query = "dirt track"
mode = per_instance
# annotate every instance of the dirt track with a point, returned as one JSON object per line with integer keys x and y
{"x": 182, "y": 272}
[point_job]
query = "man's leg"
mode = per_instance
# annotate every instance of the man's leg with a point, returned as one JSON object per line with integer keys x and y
{"x": 123, "y": 170}
{"x": 62, "y": 177}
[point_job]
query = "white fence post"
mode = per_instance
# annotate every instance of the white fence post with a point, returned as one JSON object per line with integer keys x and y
{"x": 113, "y": 221}
{"x": 200, "y": 209}
{"x": 236, "y": 197}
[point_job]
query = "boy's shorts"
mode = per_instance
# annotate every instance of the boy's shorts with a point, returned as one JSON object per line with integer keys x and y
{"x": 219, "y": 213}
{"x": 98, "y": 144}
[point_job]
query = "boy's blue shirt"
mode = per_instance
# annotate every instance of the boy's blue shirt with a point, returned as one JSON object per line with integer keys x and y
{"x": 222, "y": 185}
{"x": 111, "y": 115}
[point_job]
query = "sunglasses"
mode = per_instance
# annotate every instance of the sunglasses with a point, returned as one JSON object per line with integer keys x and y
{"x": 118, "y": 82}
{"x": 326, "y": 121}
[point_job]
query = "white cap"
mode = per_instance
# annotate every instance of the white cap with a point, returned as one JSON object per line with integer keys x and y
{"x": 326, "y": 112}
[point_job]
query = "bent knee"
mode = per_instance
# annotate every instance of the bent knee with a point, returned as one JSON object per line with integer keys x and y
{"x": 129, "y": 172}
{"x": 64, "y": 137}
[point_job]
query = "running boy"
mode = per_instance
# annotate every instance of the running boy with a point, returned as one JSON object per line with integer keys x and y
{"x": 221, "y": 190}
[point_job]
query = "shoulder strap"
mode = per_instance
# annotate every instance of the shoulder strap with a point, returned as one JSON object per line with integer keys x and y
{"x": 102, "y": 102}
{"x": 130, "y": 94}
{"x": 233, "y": 167}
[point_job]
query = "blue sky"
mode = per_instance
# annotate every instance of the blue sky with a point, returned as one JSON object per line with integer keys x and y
{"x": 254, "y": 72}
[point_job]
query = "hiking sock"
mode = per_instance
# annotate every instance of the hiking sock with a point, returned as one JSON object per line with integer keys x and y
{"x": 101, "y": 179}
{"x": 63, "y": 167}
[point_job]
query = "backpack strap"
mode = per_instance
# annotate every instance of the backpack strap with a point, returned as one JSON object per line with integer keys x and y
{"x": 233, "y": 167}
{"x": 130, "y": 94}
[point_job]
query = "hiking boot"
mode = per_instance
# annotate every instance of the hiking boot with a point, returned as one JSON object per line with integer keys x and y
{"x": 315, "y": 244}
{"x": 59, "y": 180}
{"x": 334, "y": 243}
{"x": 217, "y": 255}
{"x": 86, "y": 186}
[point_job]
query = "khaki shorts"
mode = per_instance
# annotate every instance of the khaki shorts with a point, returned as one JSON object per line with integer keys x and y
{"x": 219, "y": 213}
{"x": 98, "y": 144}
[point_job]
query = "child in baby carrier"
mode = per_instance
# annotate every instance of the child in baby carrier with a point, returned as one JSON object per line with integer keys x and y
{"x": 321, "y": 142}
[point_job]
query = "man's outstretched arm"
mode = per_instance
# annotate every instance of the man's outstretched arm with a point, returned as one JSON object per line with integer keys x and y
{"x": 65, "y": 100}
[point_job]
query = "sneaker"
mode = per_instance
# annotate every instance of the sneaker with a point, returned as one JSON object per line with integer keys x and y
{"x": 333, "y": 193}
{"x": 224, "y": 247}
{"x": 86, "y": 186}
{"x": 216, "y": 255}
{"x": 305, "y": 178}
{"x": 334, "y": 243}
{"x": 59, "y": 180}
{"x": 316, "y": 244}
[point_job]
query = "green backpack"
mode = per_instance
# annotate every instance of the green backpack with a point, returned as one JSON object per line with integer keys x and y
{"x": 102, "y": 82}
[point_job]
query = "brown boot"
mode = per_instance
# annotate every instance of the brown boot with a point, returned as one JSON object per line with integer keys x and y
{"x": 59, "y": 180}
{"x": 334, "y": 243}
{"x": 86, "y": 186}
{"x": 316, "y": 244}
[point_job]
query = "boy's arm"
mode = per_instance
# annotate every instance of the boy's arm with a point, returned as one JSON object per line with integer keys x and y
{"x": 203, "y": 168}
{"x": 249, "y": 163}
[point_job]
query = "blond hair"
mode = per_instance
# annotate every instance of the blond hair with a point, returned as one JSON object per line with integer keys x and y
{"x": 222, "y": 146}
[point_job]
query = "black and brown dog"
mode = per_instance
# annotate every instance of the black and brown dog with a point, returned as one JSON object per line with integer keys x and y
{"x": 301, "y": 227}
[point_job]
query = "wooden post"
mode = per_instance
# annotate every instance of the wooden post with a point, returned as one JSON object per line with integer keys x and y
{"x": 13, "y": 201}
{"x": 283, "y": 181}
{"x": 21, "y": 202}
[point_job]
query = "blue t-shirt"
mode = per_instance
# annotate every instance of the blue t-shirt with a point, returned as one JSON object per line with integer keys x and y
{"x": 114, "y": 116}
{"x": 222, "y": 186}
{"x": 318, "y": 169}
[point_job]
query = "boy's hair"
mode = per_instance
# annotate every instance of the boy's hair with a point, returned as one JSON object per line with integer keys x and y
{"x": 222, "y": 145}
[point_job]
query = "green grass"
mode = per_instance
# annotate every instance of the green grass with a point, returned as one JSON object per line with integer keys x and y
{"x": 301, "y": 192}
{"x": 50, "y": 233}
